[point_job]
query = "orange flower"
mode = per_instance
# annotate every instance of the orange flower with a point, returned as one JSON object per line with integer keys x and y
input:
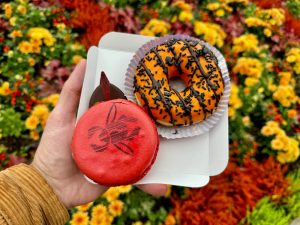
{"x": 25, "y": 47}
{"x": 16, "y": 33}
{"x": 292, "y": 113}
{"x": 116, "y": 207}
{"x": 34, "y": 135}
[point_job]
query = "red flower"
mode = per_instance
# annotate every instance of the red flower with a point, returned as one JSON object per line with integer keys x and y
{"x": 6, "y": 48}
{"x": 2, "y": 156}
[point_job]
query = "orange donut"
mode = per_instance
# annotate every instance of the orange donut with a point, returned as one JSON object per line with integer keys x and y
{"x": 195, "y": 65}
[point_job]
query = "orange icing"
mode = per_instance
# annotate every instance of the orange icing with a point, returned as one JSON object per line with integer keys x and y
{"x": 196, "y": 66}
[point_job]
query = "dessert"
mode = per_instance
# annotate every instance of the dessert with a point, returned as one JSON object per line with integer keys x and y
{"x": 195, "y": 65}
{"x": 115, "y": 142}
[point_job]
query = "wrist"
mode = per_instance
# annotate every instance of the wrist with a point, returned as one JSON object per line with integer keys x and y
{"x": 50, "y": 181}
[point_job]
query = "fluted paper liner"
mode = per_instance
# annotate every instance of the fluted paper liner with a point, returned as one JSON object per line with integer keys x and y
{"x": 190, "y": 130}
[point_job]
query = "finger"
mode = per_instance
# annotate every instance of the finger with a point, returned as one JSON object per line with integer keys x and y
{"x": 154, "y": 189}
{"x": 70, "y": 94}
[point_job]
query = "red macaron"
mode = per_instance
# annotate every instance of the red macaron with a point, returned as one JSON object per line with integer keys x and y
{"x": 115, "y": 143}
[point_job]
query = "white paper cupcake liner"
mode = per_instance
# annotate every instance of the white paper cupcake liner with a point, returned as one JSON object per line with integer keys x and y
{"x": 184, "y": 131}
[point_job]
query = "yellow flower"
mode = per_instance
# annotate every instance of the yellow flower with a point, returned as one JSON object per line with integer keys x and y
{"x": 244, "y": 2}
{"x": 212, "y": 33}
{"x": 291, "y": 154}
{"x": 156, "y": 27}
{"x": 284, "y": 139}
{"x": 52, "y": 99}
{"x": 293, "y": 57}
{"x": 255, "y": 22}
{"x": 116, "y": 207}
{"x": 25, "y": 47}
{"x": 220, "y": 12}
{"x": 40, "y": 33}
{"x": 267, "y": 32}
{"x": 244, "y": 43}
{"x": 49, "y": 41}
{"x": 4, "y": 89}
{"x": 272, "y": 124}
{"x": 111, "y": 194}
{"x": 182, "y": 5}
{"x": 267, "y": 131}
{"x": 31, "y": 122}
{"x": 251, "y": 81}
{"x": 273, "y": 16}
{"x": 97, "y": 221}
{"x": 35, "y": 41}
{"x": 99, "y": 211}
{"x": 60, "y": 26}
{"x": 85, "y": 207}
{"x": 185, "y": 16}
{"x": 285, "y": 78}
{"x": 285, "y": 95}
{"x": 124, "y": 189}
{"x": 31, "y": 61}
{"x": 12, "y": 21}
{"x": 137, "y": 223}
{"x": 246, "y": 120}
{"x": 76, "y": 59}
{"x": 36, "y": 49}
{"x": 213, "y": 6}
{"x": 22, "y": 9}
{"x": 292, "y": 113}
{"x": 170, "y": 220}
{"x": 8, "y": 10}
{"x": 231, "y": 112}
{"x": 234, "y": 100}
{"x": 276, "y": 144}
{"x": 105, "y": 220}
{"x": 248, "y": 66}
{"x": 34, "y": 135}
{"x": 40, "y": 111}
{"x": 80, "y": 218}
{"x": 15, "y": 33}
{"x": 147, "y": 32}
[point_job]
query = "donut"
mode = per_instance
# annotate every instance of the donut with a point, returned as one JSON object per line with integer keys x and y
{"x": 115, "y": 143}
{"x": 195, "y": 65}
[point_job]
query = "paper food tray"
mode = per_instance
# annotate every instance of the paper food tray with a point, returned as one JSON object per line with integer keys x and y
{"x": 185, "y": 162}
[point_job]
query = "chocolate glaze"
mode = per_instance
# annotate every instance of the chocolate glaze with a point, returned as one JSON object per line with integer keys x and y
{"x": 99, "y": 96}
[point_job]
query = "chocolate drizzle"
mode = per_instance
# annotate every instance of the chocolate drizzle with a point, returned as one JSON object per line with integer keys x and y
{"x": 160, "y": 61}
{"x": 199, "y": 86}
{"x": 156, "y": 86}
{"x": 203, "y": 73}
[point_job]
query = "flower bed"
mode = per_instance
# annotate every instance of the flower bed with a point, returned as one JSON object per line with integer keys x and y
{"x": 42, "y": 40}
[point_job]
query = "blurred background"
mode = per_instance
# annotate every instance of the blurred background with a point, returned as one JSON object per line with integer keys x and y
{"x": 41, "y": 41}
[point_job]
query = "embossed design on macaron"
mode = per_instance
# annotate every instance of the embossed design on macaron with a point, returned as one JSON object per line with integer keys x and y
{"x": 114, "y": 133}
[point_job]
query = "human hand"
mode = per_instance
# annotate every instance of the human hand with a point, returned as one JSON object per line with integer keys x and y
{"x": 53, "y": 157}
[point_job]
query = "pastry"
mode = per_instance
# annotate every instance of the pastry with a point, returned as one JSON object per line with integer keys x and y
{"x": 195, "y": 65}
{"x": 115, "y": 142}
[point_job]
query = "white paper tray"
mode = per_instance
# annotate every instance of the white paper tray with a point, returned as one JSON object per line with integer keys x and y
{"x": 186, "y": 162}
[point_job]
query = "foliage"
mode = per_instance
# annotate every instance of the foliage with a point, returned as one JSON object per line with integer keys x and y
{"x": 38, "y": 51}
{"x": 130, "y": 208}
{"x": 260, "y": 41}
{"x": 268, "y": 212}
{"x": 10, "y": 123}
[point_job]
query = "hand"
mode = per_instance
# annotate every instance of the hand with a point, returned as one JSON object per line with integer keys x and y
{"x": 53, "y": 157}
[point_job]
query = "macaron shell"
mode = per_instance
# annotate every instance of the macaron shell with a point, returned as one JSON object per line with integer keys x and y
{"x": 115, "y": 143}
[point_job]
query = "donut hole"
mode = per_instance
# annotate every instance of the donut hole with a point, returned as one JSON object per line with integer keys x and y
{"x": 177, "y": 84}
